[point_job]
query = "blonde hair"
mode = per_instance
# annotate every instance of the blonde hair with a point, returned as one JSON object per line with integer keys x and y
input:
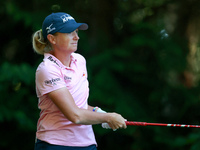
{"x": 39, "y": 45}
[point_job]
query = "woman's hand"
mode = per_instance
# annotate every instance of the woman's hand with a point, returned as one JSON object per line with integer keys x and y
{"x": 116, "y": 121}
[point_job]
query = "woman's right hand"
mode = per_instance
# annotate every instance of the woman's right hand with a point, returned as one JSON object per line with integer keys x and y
{"x": 116, "y": 121}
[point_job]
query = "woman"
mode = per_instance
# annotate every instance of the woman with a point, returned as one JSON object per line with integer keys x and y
{"x": 62, "y": 88}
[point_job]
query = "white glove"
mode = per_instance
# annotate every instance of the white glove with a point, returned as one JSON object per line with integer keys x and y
{"x": 104, "y": 125}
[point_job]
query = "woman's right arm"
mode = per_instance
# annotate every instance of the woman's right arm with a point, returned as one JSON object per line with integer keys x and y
{"x": 65, "y": 102}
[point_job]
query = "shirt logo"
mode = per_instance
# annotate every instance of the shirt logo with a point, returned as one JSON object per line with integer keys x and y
{"x": 67, "y": 78}
{"x": 66, "y": 18}
{"x": 54, "y": 61}
{"x": 49, "y": 29}
{"x": 52, "y": 81}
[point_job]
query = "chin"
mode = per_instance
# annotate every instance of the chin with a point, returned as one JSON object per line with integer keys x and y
{"x": 74, "y": 50}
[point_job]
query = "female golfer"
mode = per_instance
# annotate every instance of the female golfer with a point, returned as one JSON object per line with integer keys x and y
{"x": 62, "y": 88}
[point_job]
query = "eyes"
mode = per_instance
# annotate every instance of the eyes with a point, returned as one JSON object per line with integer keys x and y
{"x": 76, "y": 31}
{"x": 73, "y": 34}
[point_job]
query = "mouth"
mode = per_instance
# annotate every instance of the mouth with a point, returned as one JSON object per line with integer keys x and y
{"x": 74, "y": 43}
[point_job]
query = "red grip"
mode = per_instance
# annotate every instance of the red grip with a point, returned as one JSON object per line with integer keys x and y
{"x": 132, "y": 123}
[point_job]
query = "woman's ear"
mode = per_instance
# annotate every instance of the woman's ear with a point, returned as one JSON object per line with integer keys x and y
{"x": 51, "y": 39}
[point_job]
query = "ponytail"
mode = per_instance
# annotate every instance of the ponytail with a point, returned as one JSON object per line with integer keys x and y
{"x": 39, "y": 45}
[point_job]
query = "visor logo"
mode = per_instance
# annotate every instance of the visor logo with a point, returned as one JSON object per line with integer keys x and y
{"x": 49, "y": 29}
{"x": 66, "y": 18}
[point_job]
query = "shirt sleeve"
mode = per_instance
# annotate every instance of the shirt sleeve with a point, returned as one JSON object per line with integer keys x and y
{"x": 48, "y": 79}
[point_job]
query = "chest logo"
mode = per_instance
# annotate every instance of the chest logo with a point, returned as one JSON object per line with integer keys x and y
{"x": 67, "y": 78}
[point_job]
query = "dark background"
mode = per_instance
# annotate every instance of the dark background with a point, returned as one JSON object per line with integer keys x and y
{"x": 142, "y": 59}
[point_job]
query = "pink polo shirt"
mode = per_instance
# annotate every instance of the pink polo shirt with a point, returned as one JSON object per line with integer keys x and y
{"x": 53, "y": 127}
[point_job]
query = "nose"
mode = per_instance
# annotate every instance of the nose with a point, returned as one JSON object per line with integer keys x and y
{"x": 76, "y": 37}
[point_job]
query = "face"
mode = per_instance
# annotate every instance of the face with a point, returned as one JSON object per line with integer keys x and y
{"x": 66, "y": 42}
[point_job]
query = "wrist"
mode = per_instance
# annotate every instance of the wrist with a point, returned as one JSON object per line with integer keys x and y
{"x": 99, "y": 110}
{"x": 108, "y": 118}
{"x": 95, "y": 109}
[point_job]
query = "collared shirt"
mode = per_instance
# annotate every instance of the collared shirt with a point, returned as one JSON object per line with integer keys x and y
{"x": 53, "y": 127}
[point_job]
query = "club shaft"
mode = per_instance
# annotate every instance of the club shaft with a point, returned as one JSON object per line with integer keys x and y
{"x": 133, "y": 123}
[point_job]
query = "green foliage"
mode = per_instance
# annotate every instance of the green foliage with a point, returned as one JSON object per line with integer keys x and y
{"x": 18, "y": 105}
{"x": 141, "y": 80}
{"x": 135, "y": 68}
